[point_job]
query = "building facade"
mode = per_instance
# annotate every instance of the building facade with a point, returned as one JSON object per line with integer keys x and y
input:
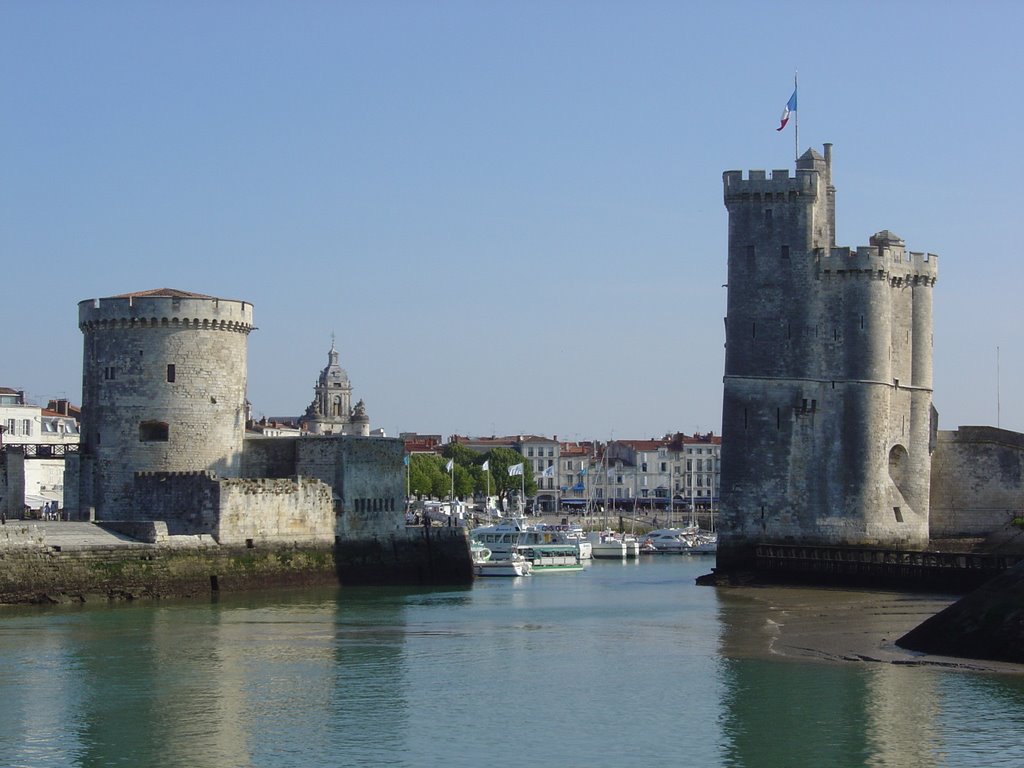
{"x": 34, "y": 441}
{"x": 827, "y": 418}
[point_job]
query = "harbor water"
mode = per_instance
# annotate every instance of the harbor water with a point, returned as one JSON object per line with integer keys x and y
{"x": 621, "y": 664}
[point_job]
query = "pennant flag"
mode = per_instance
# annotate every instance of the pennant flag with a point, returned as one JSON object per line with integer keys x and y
{"x": 515, "y": 469}
{"x": 789, "y": 110}
{"x": 583, "y": 471}
{"x": 486, "y": 465}
{"x": 449, "y": 465}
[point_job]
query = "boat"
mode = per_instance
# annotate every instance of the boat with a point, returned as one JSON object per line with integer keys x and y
{"x": 478, "y": 552}
{"x": 502, "y": 538}
{"x": 607, "y": 544}
{"x": 515, "y": 565}
{"x": 680, "y": 541}
{"x": 667, "y": 540}
{"x": 551, "y": 558}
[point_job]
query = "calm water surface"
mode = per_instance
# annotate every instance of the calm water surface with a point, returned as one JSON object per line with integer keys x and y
{"x": 623, "y": 664}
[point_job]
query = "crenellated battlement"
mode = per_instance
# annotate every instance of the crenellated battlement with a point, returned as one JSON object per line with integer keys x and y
{"x": 169, "y": 309}
{"x": 881, "y": 260}
{"x": 758, "y": 187}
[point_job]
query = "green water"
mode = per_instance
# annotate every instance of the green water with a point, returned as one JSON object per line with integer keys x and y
{"x": 622, "y": 664}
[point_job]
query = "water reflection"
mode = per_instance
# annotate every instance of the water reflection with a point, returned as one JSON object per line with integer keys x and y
{"x": 238, "y": 682}
{"x": 784, "y": 705}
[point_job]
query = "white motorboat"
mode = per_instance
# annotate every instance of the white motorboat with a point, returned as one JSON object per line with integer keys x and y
{"x": 606, "y": 544}
{"x": 514, "y": 565}
{"x": 502, "y": 538}
{"x": 667, "y": 540}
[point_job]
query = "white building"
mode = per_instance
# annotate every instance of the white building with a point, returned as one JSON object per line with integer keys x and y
{"x": 44, "y": 436}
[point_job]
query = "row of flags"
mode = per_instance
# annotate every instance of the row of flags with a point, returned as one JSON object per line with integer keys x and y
{"x": 515, "y": 469}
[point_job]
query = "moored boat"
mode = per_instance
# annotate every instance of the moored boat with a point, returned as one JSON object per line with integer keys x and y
{"x": 551, "y": 558}
{"x": 606, "y": 544}
{"x": 513, "y": 565}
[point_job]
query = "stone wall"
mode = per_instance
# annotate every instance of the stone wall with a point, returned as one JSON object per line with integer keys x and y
{"x": 367, "y": 477}
{"x": 32, "y": 572}
{"x": 14, "y": 464}
{"x": 297, "y": 510}
{"x": 977, "y": 481}
{"x": 236, "y": 511}
{"x": 269, "y": 457}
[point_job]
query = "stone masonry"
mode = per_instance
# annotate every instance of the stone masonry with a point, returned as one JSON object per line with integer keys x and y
{"x": 827, "y": 422}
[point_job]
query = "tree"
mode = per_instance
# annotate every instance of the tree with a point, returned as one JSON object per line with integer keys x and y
{"x": 503, "y": 484}
{"x": 428, "y": 476}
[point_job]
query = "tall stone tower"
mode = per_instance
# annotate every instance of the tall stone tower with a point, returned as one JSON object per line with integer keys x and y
{"x": 163, "y": 389}
{"x": 827, "y": 418}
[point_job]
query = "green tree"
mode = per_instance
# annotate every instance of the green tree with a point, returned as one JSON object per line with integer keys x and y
{"x": 504, "y": 485}
{"x": 427, "y": 475}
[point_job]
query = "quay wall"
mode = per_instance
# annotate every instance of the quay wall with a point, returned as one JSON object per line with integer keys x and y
{"x": 33, "y": 572}
{"x": 977, "y": 481}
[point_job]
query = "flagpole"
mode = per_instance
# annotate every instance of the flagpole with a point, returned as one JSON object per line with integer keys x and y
{"x": 796, "y": 123}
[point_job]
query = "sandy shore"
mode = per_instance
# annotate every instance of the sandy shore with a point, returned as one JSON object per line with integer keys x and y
{"x": 833, "y": 625}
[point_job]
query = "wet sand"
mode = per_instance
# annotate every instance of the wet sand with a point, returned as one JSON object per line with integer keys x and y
{"x": 833, "y": 625}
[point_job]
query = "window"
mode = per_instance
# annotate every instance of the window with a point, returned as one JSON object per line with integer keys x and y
{"x": 785, "y": 251}
{"x": 529, "y": 451}
{"x": 170, "y": 372}
{"x": 153, "y": 432}
{"x": 551, "y": 451}
{"x": 26, "y": 426}
{"x": 643, "y": 467}
{"x": 664, "y": 467}
{"x": 110, "y": 373}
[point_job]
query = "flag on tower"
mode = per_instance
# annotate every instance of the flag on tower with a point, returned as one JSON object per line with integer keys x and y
{"x": 449, "y": 465}
{"x": 515, "y": 469}
{"x": 789, "y": 110}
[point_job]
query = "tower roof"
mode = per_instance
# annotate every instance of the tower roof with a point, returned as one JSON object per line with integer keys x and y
{"x": 172, "y": 293}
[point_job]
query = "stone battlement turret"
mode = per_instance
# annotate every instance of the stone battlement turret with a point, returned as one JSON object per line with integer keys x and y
{"x": 886, "y": 261}
{"x": 779, "y": 186}
{"x": 166, "y": 307}
{"x": 826, "y": 411}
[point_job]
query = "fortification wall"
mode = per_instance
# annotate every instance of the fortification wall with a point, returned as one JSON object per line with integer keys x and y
{"x": 163, "y": 390}
{"x": 237, "y": 511}
{"x": 298, "y": 510}
{"x": 15, "y": 476}
{"x": 367, "y": 476}
{"x": 977, "y": 482}
{"x": 32, "y": 572}
{"x": 3, "y": 485}
{"x": 269, "y": 457}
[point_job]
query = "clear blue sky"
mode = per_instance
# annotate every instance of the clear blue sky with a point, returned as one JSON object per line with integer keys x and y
{"x": 510, "y": 213}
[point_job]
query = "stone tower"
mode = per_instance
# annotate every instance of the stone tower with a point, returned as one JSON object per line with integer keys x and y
{"x": 827, "y": 418}
{"x": 163, "y": 389}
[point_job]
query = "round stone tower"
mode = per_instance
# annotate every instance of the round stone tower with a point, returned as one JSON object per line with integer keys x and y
{"x": 163, "y": 390}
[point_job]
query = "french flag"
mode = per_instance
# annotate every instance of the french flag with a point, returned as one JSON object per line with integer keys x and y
{"x": 789, "y": 110}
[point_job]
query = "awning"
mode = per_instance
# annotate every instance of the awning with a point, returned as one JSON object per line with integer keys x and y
{"x": 38, "y": 501}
